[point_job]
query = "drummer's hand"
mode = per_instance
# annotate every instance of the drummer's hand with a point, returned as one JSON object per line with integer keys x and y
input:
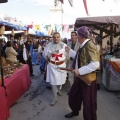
{"x": 67, "y": 49}
{"x": 76, "y": 72}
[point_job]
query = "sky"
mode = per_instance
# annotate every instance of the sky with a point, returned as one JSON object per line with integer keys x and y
{"x": 38, "y": 11}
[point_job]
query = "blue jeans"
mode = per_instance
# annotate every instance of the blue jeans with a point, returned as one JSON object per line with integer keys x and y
{"x": 34, "y": 58}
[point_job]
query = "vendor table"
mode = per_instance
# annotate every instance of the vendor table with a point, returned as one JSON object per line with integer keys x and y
{"x": 16, "y": 85}
{"x": 111, "y": 75}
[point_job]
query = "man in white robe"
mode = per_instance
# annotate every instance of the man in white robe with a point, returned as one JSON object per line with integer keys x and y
{"x": 55, "y": 54}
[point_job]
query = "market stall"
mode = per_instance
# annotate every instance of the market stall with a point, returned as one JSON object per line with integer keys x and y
{"x": 15, "y": 86}
{"x": 107, "y": 26}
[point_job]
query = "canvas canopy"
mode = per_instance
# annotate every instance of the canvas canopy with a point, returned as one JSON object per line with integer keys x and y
{"x": 107, "y": 24}
{"x": 110, "y": 25}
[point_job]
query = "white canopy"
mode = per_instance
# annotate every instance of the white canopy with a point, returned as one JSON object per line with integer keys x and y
{"x": 9, "y": 32}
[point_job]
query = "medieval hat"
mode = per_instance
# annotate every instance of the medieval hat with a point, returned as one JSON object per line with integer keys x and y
{"x": 84, "y": 32}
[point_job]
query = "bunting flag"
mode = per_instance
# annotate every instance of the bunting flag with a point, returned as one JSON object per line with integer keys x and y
{"x": 55, "y": 28}
{"x": 30, "y": 26}
{"x": 50, "y": 30}
{"x": 66, "y": 28}
{"x": 71, "y": 2}
{"x": 47, "y": 27}
{"x": 37, "y": 27}
{"x": 62, "y": 1}
{"x": 85, "y": 5}
{"x": 71, "y": 27}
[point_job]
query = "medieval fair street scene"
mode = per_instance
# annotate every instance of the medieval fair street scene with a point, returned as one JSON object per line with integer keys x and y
{"x": 59, "y": 59}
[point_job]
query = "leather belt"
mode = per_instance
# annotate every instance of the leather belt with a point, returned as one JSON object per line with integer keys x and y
{"x": 56, "y": 63}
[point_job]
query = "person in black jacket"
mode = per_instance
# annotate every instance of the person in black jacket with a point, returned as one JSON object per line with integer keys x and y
{"x": 24, "y": 54}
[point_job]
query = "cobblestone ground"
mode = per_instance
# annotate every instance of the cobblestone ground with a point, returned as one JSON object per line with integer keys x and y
{"x": 35, "y": 103}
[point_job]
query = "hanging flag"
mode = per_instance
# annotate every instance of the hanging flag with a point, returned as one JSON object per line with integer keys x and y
{"x": 70, "y": 26}
{"x": 47, "y": 27}
{"x": 37, "y": 27}
{"x": 62, "y": 1}
{"x": 50, "y": 30}
{"x": 30, "y": 26}
{"x": 71, "y": 2}
{"x": 55, "y": 28}
{"x": 85, "y": 5}
{"x": 66, "y": 28}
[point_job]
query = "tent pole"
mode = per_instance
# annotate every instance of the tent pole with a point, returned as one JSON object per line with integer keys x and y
{"x": 101, "y": 34}
{"x": 1, "y": 67}
{"x": 111, "y": 39}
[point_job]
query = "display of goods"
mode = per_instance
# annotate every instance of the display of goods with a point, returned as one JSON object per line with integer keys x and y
{"x": 10, "y": 67}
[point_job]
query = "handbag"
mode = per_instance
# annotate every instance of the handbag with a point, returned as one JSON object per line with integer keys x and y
{"x": 88, "y": 78}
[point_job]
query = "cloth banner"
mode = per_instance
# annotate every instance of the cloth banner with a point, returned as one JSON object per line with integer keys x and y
{"x": 115, "y": 65}
{"x": 112, "y": 68}
{"x": 85, "y": 5}
{"x": 30, "y": 26}
{"x": 50, "y": 30}
{"x": 66, "y": 28}
{"x": 37, "y": 27}
{"x": 62, "y": 1}
{"x": 71, "y": 2}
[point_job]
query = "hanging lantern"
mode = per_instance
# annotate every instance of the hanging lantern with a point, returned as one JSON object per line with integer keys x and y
{"x": 2, "y": 30}
{"x": 25, "y": 32}
{"x": 12, "y": 32}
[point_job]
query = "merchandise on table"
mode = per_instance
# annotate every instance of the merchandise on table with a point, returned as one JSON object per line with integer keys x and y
{"x": 10, "y": 67}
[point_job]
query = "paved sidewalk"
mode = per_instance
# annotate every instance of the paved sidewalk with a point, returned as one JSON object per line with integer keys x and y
{"x": 35, "y": 103}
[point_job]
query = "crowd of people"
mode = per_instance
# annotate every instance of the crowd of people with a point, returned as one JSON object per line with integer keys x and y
{"x": 25, "y": 49}
{"x": 75, "y": 60}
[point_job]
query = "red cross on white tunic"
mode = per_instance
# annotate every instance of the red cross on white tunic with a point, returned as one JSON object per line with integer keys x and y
{"x": 57, "y": 56}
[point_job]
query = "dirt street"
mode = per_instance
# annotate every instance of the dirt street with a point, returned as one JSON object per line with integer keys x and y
{"x": 35, "y": 103}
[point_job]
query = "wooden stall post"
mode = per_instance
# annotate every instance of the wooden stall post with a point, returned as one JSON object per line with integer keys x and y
{"x": 111, "y": 38}
{"x": 2, "y": 30}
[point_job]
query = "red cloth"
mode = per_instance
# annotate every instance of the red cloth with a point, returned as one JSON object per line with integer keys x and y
{"x": 85, "y": 5}
{"x": 4, "y": 111}
{"x": 16, "y": 85}
{"x": 115, "y": 65}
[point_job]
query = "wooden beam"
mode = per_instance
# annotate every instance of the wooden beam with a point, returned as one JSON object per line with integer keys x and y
{"x": 117, "y": 34}
{"x": 104, "y": 30}
{"x": 95, "y": 33}
{"x": 105, "y": 36}
{"x": 111, "y": 39}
